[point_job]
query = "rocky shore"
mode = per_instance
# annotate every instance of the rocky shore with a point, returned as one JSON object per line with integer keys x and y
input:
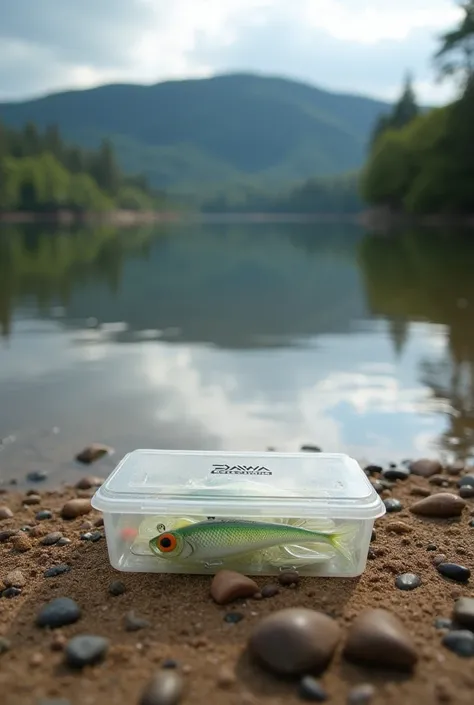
{"x": 75, "y": 632}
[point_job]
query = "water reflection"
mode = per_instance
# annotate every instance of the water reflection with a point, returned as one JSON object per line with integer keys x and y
{"x": 234, "y": 336}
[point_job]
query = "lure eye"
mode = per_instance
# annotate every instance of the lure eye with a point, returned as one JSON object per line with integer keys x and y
{"x": 167, "y": 543}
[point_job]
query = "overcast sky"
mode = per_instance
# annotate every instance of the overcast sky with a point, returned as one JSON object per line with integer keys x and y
{"x": 345, "y": 45}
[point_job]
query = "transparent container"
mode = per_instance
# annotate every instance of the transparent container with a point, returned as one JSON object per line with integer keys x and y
{"x": 259, "y": 513}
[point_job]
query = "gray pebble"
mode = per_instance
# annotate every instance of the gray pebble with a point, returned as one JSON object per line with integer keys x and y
{"x": 11, "y": 592}
{"x": 399, "y": 472}
{"x": 58, "y": 613}
{"x": 51, "y": 539}
{"x": 361, "y": 694}
{"x": 165, "y": 688}
{"x": 134, "y": 623}
{"x": 37, "y": 476}
{"x": 407, "y": 581}
{"x": 373, "y": 469}
{"x": 460, "y": 641}
{"x": 378, "y": 487}
{"x": 443, "y": 623}
{"x": 44, "y": 515}
{"x": 309, "y": 448}
{"x": 466, "y": 491}
{"x": 467, "y": 480}
{"x": 32, "y": 499}
{"x": 116, "y": 588}
{"x": 57, "y": 570}
{"x": 393, "y": 505}
{"x": 6, "y": 535}
{"x": 233, "y": 617}
{"x": 85, "y": 650}
{"x": 63, "y": 541}
{"x": 311, "y": 689}
{"x": 454, "y": 571}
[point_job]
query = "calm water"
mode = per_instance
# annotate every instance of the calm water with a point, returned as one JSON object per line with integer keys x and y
{"x": 233, "y": 337}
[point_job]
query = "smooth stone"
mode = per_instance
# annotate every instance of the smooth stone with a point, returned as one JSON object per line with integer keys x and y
{"x": 439, "y": 480}
{"x": 92, "y": 453}
{"x": 233, "y": 617}
{"x": 11, "y": 592}
{"x": 169, "y": 663}
{"x": 165, "y": 688}
{"x": 309, "y": 448}
{"x": 44, "y": 515}
{"x": 57, "y": 570}
{"x": 420, "y": 492}
{"x": 378, "y": 638}
{"x": 228, "y": 585}
{"x": 393, "y": 505}
{"x": 466, "y": 491}
{"x": 426, "y": 467}
{"x": 15, "y": 579}
{"x": 85, "y": 650}
{"x": 88, "y": 482}
{"x": 270, "y": 590}
{"x": 373, "y": 469}
{"x": 455, "y": 468}
{"x": 58, "y": 613}
{"x": 31, "y": 500}
{"x": 407, "y": 581}
{"x": 454, "y": 571}
{"x": 116, "y": 588}
{"x": 432, "y": 547}
{"x": 443, "y": 623}
{"x": 461, "y": 641}
{"x": 466, "y": 481}
{"x": 441, "y": 506}
{"x": 133, "y": 623}
{"x": 7, "y": 535}
{"x": 289, "y": 577}
{"x": 295, "y": 641}
{"x": 361, "y": 694}
{"x": 378, "y": 486}
{"x": 398, "y": 527}
{"x": 399, "y": 472}
{"x": 439, "y": 558}
{"x": 75, "y": 508}
{"x": 311, "y": 689}
{"x": 5, "y": 513}
{"x": 463, "y": 612}
{"x": 63, "y": 541}
{"x": 51, "y": 539}
{"x": 37, "y": 476}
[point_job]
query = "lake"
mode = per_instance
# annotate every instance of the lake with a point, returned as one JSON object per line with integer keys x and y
{"x": 233, "y": 336}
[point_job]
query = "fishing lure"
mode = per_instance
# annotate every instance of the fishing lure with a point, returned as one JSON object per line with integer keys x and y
{"x": 215, "y": 540}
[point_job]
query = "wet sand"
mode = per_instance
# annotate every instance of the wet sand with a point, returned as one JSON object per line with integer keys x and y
{"x": 185, "y": 625}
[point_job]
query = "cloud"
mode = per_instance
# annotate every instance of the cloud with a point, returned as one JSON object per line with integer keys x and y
{"x": 339, "y": 44}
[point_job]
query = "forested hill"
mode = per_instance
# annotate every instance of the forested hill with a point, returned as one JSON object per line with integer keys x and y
{"x": 218, "y": 130}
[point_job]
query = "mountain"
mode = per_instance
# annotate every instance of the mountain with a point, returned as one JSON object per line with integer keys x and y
{"x": 225, "y": 129}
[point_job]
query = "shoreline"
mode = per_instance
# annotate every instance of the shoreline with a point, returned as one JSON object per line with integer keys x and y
{"x": 205, "y": 644}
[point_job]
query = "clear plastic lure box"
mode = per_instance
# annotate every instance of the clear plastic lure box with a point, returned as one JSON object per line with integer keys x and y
{"x": 156, "y": 492}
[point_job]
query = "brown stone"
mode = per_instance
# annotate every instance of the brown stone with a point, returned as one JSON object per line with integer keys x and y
{"x": 420, "y": 492}
{"x": 32, "y": 499}
{"x": 426, "y": 467}
{"x": 15, "y": 579}
{"x": 5, "y": 513}
{"x": 75, "y": 508}
{"x": 92, "y": 453}
{"x": 295, "y": 641}
{"x": 228, "y": 585}
{"x": 86, "y": 483}
{"x": 463, "y": 612}
{"x": 378, "y": 638}
{"x": 398, "y": 527}
{"x": 441, "y": 505}
{"x": 21, "y": 543}
{"x": 456, "y": 468}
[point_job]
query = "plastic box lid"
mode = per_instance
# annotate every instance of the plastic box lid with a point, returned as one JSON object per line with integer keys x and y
{"x": 244, "y": 484}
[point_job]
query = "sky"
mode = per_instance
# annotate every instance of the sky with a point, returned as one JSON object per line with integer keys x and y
{"x": 352, "y": 46}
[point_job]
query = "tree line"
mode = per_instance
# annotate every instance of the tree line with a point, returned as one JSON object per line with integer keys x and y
{"x": 422, "y": 162}
{"x": 39, "y": 173}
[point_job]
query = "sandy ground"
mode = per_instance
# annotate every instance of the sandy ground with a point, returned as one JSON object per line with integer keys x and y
{"x": 188, "y": 627}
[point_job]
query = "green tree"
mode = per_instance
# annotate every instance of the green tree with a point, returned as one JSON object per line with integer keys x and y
{"x": 104, "y": 168}
{"x": 456, "y": 54}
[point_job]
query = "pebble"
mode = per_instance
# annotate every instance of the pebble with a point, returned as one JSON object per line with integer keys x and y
{"x": 6, "y": 535}
{"x": 228, "y": 585}
{"x": 99, "y": 522}
{"x": 407, "y": 581}
{"x": 5, "y": 645}
{"x": 432, "y": 547}
{"x": 21, "y": 543}
{"x": 398, "y": 527}
{"x": 11, "y": 592}
{"x": 463, "y": 612}
{"x": 86, "y": 483}
{"x": 399, "y": 472}
{"x": 443, "y": 623}
{"x": 377, "y": 485}
{"x": 91, "y": 536}
{"x": 58, "y": 613}
{"x": 441, "y": 505}
{"x": 57, "y": 570}
{"x": 15, "y": 579}
{"x": 295, "y": 641}
{"x": 36, "y": 659}
{"x": 75, "y": 508}
{"x": 116, "y": 588}
{"x": 439, "y": 558}
{"x": 5, "y": 513}
{"x": 133, "y": 623}
{"x": 63, "y": 541}
{"x": 270, "y": 590}
{"x": 233, "y": 617}
{"x": 311, "y": 689}
{"x": 426, "y": 467}
{"x": 461, "y": 641}
{"x": 51, "y": 539}
{"x": 393, "y": 505}
{"x": 361, "y": 694}
{"x": 92, "y": 453}
{"x": 378, "y": 638}
{"x": 310, "y": 448}
{"x": 456, "y": 468}
{"x": 85, "y": 650}
{"x": 467, "y": 480}
{"x": 44, "y": 515}
{"x": 420, "y": 492}
{"x": 225, "y": 678}
{"x": 32, "y": 499}
{"x": 37, "y": 476}
{"x": 466, "y": 491}
{"x": 165, "y": 688}
{"x": 58, "y": 642}
{"x": 289, "y": 577}
{"x": 169, "y": 663}
{"x": 454, "y": 571}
